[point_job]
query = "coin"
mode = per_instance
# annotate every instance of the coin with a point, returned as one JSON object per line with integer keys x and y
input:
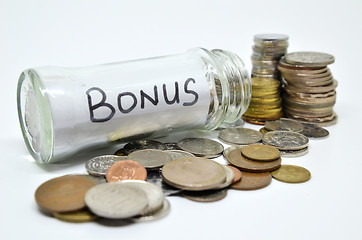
{"x": 205, "y": 196}
{"x": 252, "y": 181}
{"x": 291, "y": 174}
{"x": 98, "y": 166}
{"x": 260, "y": 152}
{"x": 143, "y": 144}
{"x": 155, "y": 177}
{"x": 154, "y": 194}
{"x": 120, "y": 152}
{"x": 80, "y": 216}
{"x": 171, "y": 146}
{"x": 194, "y": 174}
{"x": 293, "y": 153}
{"x": 240, "y": 136}
{"x": 150, "y": 158}
{"x": 116, "y": 201}
{"x": 238, "y": 160}
{"x": 229, "y": 178}
{"x": 312, "y": 59}
{"x": 263, "y": 130}
{"x": 201, "y": 147}
{"x": 270, "y": 37}
{"x": 284, "y": 124}
{"x": 314, "y": 131}
{"x": 285, "y": 140}
{"x": 124, "y": 170}
{"x": 176, "y": 154}
{"x": 229, "y": 149}
{"x": 63, "y": 194}
{"x": 165, "y": 209}
{"x": 96, "y": 179}
{"x": 237, "y": 174}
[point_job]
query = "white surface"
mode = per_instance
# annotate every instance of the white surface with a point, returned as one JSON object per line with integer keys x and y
{"x": 79, "y": 33}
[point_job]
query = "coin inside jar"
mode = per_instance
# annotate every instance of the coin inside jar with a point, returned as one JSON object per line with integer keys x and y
{"x": 260, "y": 152}
{"x": 125, "y": 170}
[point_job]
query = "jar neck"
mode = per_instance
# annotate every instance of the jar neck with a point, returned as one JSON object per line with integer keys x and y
{"x": 230, "y": 87}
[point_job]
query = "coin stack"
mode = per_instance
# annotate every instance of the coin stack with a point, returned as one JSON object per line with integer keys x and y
{"x": 265, "y": 101}
{"x": 308, "y": 87}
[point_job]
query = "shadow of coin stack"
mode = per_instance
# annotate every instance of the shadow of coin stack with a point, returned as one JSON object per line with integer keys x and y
{"x": 266, "y": 102}
{"x": 308, "y": 87}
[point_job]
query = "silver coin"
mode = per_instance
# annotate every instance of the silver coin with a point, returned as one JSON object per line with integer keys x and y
{"x": 154, "y": 194}
{"x": 270, "y": 37}
{"x": 229, "y": 178}
{"x": 240, "y": 136}
{"x": 171, "y": 146}
{"x": 143, "y": 144}
{"x": 201, "y": 147}
{"x": 284, "y": 124}
{"x": 98, "y": 166}
{"x": 312, "y": 59}
{"x": 150, "y": 158}
{"x": 293, "y": 153}
{"x": 314, "y": 131}
{"x": 155, "y": 177}
{"x": 285, "y": 140}
{"x": 176, "y": 154}
{"x": 116, "y": 201}
{"x": 165, "y": 209}
{"x": 206, "y": 196}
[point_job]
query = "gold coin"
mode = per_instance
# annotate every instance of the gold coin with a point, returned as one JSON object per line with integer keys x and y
{"x": 291, "y": 174}
{"x": 259, "y": 152}
{"x": 263, "y": 130}
{"x": 79, "y": 216}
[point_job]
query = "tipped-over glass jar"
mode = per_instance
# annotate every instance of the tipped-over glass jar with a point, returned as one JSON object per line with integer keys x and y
{"x": 64, "y": 110}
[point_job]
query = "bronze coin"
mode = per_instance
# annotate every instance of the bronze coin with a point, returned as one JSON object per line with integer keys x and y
{"x": 260, "y": 152}
{"x": 126, "y": 170}
{"x": 80, "y": 216}
{"x": 237, "y": 174}
{"x": 235, "y": 158}
{"x": 252, "y": 181}
{"x": 291, "y": 174}
{"x": 63, "y": 194}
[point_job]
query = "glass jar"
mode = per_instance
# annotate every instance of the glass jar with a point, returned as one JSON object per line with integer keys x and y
{"x": 64, "y": 110}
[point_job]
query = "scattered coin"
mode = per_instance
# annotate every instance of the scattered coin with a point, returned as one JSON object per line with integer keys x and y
{"x": 240, "y": 136}
{"x": 237, "y": 174}
{"x": 126, "y": 170}
{"x": 201, "y": 147}
{"x": 293, "y": 153}
{"x": 205, "y": 196}
{"x": 143, "y": 144}
{"x": 165, "y": 209}
{"x": 98, "y": 166}
{"x": 285, "y": 140}
{"x": 96, "y": 179}
{"x": 63, "y": 194}
{"x": 229, "y": 178}
{"x": 291, "y": 174}
{"x": 229, "y": 149}
{"x": 80, "y": 216}
{"x": 252, "y": 181}
{"x": 314, "y": 131}
{"x": 238, "y": 160}
{"x": 284, "y": 124}
{"x": 150, "y": 158}
{"x": 155, "y": 177}
{"x": 194, "y": 174}
{"x": 116, "y": 201}
{"x": 260, "y": 152}
{"x": 176, "y": 154}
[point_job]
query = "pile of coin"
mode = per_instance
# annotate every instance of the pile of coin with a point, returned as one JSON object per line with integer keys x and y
{"x": 308, "y": 87}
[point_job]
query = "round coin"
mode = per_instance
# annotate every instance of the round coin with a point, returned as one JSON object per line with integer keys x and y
{"x": 312, "y": 59}
{"x": 285, "y": 140}
{"x": 176, "y": 154}
{"x": 291, "y": 174}
{"x": 237, "y": 174}
{"x": 206, "y": 196}
{"x": 293, "y": 153}
{"x": 63, "y": 194}
{"x": 229, "y": 178}
{"x": 116, "y": 201}
{"x": 98, "y": 166}
{"x": 284, "y": 124}
{"x": 201, "y": 147}
{"x": 165, "y": 209}
{"x": 240, "y": 136}
{"x": 314, "y": 131}
{"x": 80, "y": 216}
{"x": 238, "y": 160}
{"x": 125, "y": 170}
{"x": 143, "y": 144}
{"x": 194, "y": 174}
{"x": 252, "y": 181}
{"x": 150, "y": 158}
{"x": 260, "y": 152}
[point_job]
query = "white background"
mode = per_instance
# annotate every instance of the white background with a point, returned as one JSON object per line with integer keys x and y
{"x": 78, "y": 33}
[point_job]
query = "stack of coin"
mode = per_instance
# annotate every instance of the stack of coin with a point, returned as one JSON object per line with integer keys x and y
{"x": 265, "y": 102}
{"x": 267, "y": 50}
{"x": 308, "y": 87}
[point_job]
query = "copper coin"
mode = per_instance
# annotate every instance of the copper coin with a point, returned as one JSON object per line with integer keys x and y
{"x": 252, "y": 181}
{"x": 125, "y": 170}
{"x": 237, "y": 174}
{"x": 238, "y": 160}
{"x": 260, "y": 152}
{"x": 63, "y": 194}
